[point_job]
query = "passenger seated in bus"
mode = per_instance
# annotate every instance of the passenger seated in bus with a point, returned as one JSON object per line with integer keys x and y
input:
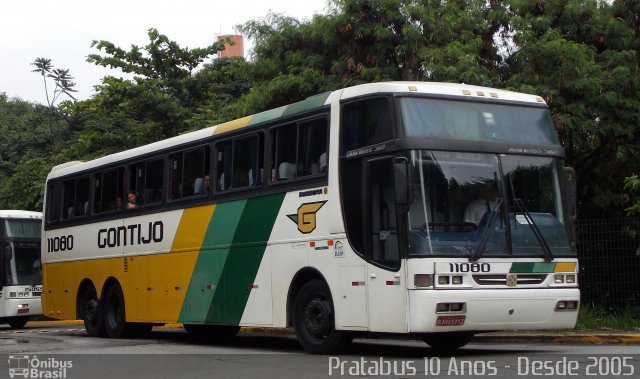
{"x": 118, "y": 205}
{"x": 477, "y": 208}
{"x": 286, "y": 170}
{"x": 201, "y": 186}
{"x": 131, "y": 200}
{"x": 322, "y": 162}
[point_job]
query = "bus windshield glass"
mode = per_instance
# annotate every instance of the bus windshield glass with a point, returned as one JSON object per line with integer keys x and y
{"x": 22, "y": 228}
{"x": 22, "y": 263}
{"x": 476, "y": 121}
{"x": 475, "y": 204}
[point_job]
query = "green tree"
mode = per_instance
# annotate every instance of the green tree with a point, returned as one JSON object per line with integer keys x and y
{"x": 24, "y": 136}
{"x": 363, "y": 41}
{"x": 582, "y": 57}
{"x": 170, "y": 89}
{"x": 63, "y": 85}
{"x": 25, "y": 188}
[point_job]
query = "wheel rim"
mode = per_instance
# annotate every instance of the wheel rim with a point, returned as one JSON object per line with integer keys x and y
{"x": 318, "y": 318}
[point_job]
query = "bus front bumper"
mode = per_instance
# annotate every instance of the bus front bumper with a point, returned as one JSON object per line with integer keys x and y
{"x": 484, "y": 310}
{"x": 23, "y": 307}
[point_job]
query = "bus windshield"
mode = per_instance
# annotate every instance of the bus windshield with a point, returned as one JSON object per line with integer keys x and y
{"x": 22, "y": 264}
{"x": 22, "y": 228}
{"x": 476, "y": 121}
{"x": 475, "y": 204}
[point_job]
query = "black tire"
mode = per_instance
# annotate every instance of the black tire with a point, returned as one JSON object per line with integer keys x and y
{"x": 448, "y": 342}
{"x": 314, "y": 320}
{"x": 114, "y": 313}
{"x": 92, "y": 313}
{"x": 206, "y": 332}
{"x": 18, "y": 323}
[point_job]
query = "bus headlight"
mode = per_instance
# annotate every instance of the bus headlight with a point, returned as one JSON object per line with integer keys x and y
{"x": 565, "y": 279}
{"x": 445, "y": 280}
{"x": 566, "y": 305}
{"x": 451, "y": 308}
{"x": 423, "y": 280}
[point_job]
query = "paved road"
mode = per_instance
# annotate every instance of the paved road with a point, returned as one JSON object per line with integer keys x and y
{"x": 56, "y": 350}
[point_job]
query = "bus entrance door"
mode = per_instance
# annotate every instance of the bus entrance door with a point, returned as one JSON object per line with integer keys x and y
{"x": 387, "y": 288}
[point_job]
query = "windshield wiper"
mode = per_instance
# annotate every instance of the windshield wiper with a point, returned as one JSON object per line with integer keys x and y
{"x": 486, "y": 232}
{"x": 548, "y": 255}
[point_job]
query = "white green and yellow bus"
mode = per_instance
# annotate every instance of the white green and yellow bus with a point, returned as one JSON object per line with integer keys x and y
{"x": 344, "y": 214}
{"x": 20, "y": 267}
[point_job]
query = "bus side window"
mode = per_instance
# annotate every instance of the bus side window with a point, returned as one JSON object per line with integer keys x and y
{"x": 312, "y": 143}
{"x": 284, "y": 152}
{"x": 365, "y": 123}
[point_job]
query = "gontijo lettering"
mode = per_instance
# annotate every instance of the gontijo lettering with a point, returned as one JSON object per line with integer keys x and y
{"x": 133, "y": 234}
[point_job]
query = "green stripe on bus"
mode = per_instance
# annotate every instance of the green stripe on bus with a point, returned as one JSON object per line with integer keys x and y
{"x": 288, "y": 110}
{"x": 532, "y": 267}
{"x": 229, "y": 260}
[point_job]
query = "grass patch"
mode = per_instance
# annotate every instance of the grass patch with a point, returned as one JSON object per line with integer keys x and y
{"x": 594, "y": 318}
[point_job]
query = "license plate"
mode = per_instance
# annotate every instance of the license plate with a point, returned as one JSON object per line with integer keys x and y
{"x": 450, "y": 320}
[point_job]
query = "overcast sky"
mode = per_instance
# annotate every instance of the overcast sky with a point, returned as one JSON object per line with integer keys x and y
{"x": 63, "y": 30}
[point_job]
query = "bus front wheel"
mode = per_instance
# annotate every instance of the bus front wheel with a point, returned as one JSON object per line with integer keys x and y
{"x": 314, "y": 320}
{"x": 114, "y": 312}
{"x": 18, "y": 323}
{"x": 448, "y": 342}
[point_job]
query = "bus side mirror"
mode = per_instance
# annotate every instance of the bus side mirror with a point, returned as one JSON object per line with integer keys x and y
{"x": 572, "y": 185}
{"x": 401, "y": 174}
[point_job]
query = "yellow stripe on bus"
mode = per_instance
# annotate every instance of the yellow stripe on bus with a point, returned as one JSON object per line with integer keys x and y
{"x": 192, "y": 228}
{"x": 232, "y": 125}
{"x": 565, "y": 267}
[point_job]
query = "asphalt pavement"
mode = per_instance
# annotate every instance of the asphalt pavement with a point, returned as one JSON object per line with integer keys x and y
{"x": 596, "y": 337}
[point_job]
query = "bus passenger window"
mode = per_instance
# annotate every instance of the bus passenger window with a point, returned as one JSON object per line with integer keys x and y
{"x": 245, "y": 162}
{"x": 68, "y": 199}
{"x": 239, "y": 163}
{"x": 153, "y": 185}
{"x": 312, "y": 143}
{"x": 284, "y": 152}
{"x": 299, "y": 149}
{"x": 189, "y": 173}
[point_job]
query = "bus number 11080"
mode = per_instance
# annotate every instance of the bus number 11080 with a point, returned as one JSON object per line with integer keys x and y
{"x": 469, "y": 267}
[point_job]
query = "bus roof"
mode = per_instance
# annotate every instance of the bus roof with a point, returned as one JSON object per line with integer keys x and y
{"x": 443, "y": 89}
{"x": 10, "y": 213}
{"x": 313, "y": 102}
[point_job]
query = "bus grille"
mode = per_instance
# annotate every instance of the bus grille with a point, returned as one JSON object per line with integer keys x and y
{"x": 501, "y": 280}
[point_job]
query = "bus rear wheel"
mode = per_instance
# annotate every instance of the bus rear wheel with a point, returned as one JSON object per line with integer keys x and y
{"x": 314, "y": 320}
{"x": 92, "y": 313}
{"x": 448, "y": 342}
{"x": 115, "y": 322}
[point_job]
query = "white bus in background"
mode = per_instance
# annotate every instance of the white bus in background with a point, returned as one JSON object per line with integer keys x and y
{"x": 20, "y": 268}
